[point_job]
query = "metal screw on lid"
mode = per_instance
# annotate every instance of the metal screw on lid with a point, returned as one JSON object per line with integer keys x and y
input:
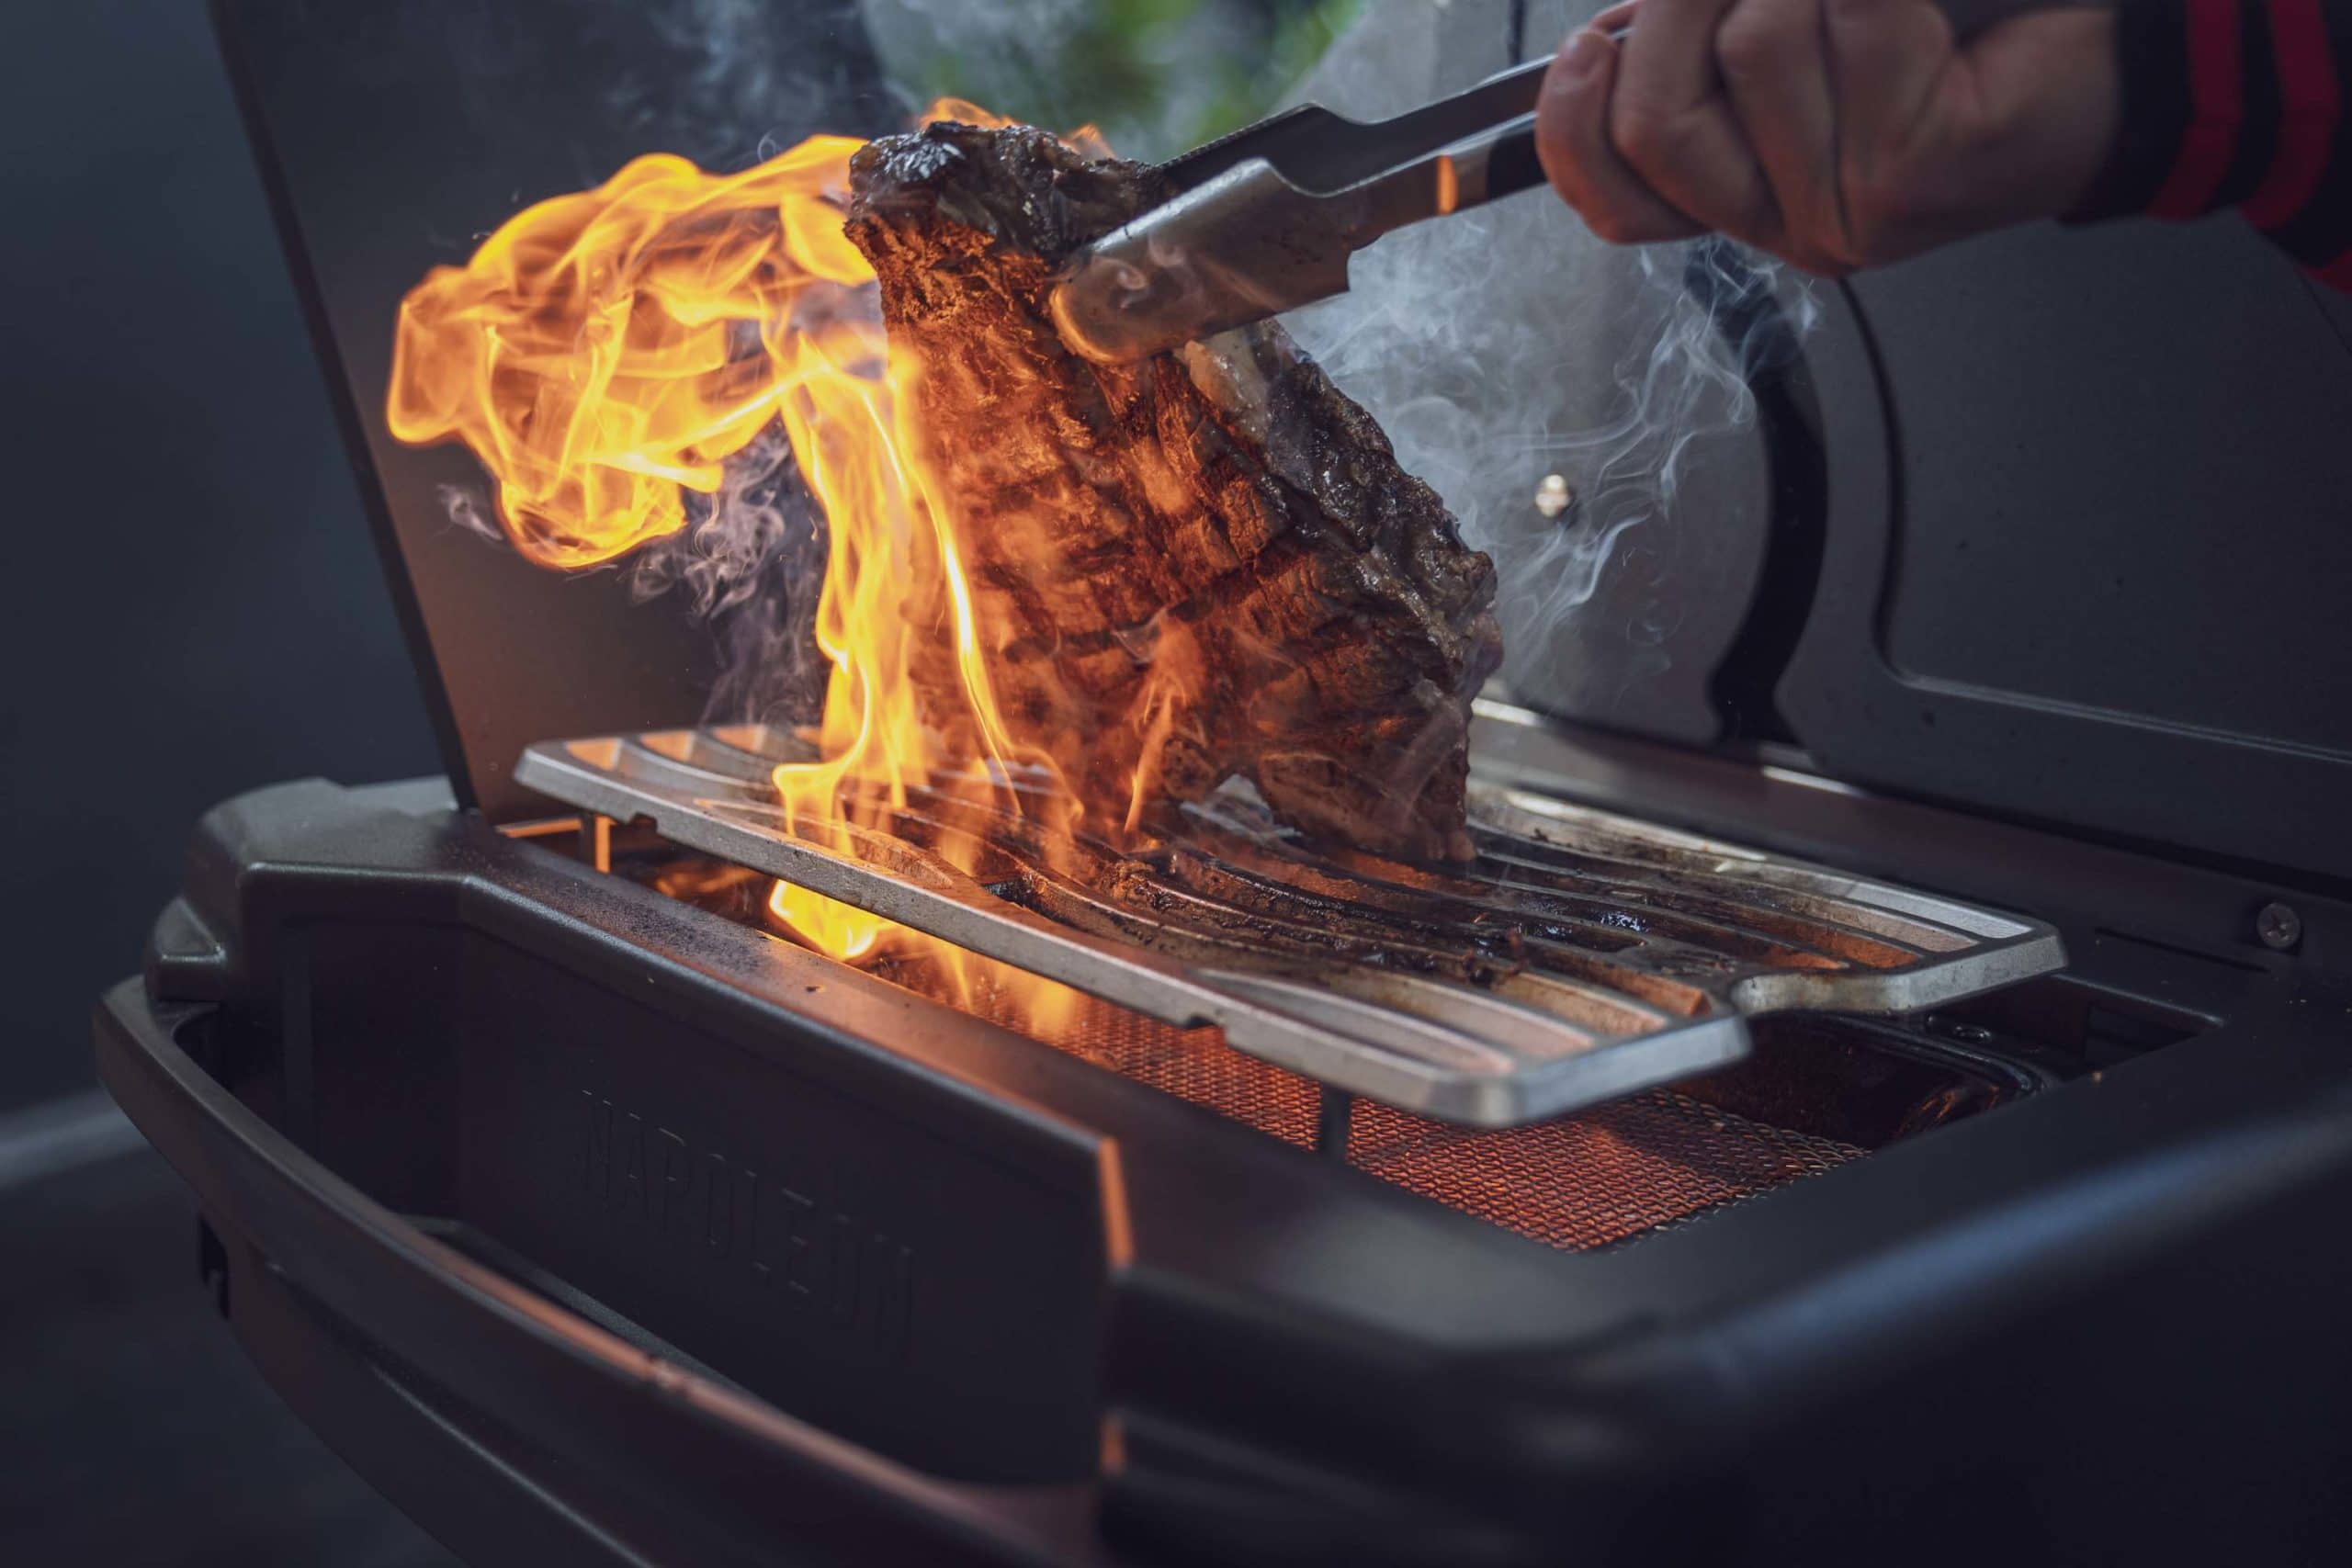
{"x": 2278, "y": 927}
{"x": 1553, "y": 496}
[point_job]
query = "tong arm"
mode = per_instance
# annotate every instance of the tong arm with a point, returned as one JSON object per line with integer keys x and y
{"x": 1251, "y": 241}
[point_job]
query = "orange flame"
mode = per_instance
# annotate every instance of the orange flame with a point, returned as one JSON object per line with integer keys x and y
{"x": 604, "y": 352}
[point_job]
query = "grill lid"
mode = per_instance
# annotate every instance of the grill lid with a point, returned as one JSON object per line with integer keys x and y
{"x": 390, "y": 139}
{"x": 1583, "y": 956}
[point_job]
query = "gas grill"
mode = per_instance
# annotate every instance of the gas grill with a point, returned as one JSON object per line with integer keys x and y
{"x": 1862, "y": 1100}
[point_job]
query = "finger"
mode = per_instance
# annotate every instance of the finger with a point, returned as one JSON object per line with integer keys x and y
{"x": 1889, "y": 57}
{"x": 1773, "y": 55}
{"x": 1616, "y": 18}
{"x": 1572, "y": 141}
{"x": 1671, "y": 123}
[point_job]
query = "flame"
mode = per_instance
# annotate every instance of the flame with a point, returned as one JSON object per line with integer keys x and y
{"x": 604, "y": 352}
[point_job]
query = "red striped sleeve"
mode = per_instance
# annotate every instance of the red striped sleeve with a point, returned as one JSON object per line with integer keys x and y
{"x": 2217, "y": 108}
{"x": 2337, "y": 273}
{"x": 2307, "y": 125}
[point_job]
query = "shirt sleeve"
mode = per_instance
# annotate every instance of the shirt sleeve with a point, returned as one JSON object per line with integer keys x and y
{"x": 2237, "y": 103}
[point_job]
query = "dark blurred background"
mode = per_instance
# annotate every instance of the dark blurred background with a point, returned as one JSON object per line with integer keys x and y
{"x": 197, "y": 603}
{"x": 198, "y": 610}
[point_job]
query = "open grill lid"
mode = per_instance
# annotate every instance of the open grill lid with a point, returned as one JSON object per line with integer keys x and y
{"x": 1583, "y": 956}
{"x": 391, "y": 138}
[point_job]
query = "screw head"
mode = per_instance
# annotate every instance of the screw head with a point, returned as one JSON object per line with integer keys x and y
{"x": 1553, "y": 496}
{"x": 2278, "y": 927}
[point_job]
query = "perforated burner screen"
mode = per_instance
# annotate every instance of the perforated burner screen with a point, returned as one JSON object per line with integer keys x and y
{"x": 1603, "y": 1177}
{"x": 1574, "y": 1183}
{"x": 1606, "y": 1175}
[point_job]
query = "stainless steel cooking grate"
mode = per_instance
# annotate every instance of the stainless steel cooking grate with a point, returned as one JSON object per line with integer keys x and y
{"x": 1582, "y": 958}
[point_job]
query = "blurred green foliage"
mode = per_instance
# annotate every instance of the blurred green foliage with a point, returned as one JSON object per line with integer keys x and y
{"x": 1156, "y": 76}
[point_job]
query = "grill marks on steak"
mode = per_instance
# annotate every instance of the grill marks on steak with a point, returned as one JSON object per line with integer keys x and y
{"x": 1209, "y": 562}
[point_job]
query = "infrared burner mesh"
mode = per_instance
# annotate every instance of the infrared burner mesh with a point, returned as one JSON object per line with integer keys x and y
{"x": 1573, "y": 1183}
{"x": 1606, "y": 1176}
{"x": 1586, "y": 1181}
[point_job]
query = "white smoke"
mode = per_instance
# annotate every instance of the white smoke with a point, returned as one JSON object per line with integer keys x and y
{"x": 468, "y": 507}
{"x": 728, "y": 83}
{"x": 1505, "y": 344}
{"x": 752, "y": 560}
{"x": 759, "y": 513}
{"x": 1610, "y": 382}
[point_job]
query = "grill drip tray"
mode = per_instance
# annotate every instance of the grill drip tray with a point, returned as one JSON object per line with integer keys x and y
{"x": 1582, "y": 958}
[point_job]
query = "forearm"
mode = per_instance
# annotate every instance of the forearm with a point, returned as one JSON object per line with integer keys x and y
{"x": 2238, "y": 103}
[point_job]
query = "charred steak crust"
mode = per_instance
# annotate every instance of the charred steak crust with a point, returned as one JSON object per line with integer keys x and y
{"x": 1208, "y": 562}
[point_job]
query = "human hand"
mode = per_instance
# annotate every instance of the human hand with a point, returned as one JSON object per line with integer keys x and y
{"x": 1836, "y": 134}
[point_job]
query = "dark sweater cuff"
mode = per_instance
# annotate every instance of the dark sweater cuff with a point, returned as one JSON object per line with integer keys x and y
{"x": 2151, "y": 63}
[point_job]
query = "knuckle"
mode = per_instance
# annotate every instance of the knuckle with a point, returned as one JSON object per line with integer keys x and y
{"x": 1749, "y": 47}
{"x": 1643, "y": 135}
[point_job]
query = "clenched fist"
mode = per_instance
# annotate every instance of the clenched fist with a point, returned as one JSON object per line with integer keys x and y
{"x": 1836, "y": 133}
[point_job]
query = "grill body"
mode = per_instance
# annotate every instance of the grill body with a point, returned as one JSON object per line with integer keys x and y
{"x": 595, "y": 1226}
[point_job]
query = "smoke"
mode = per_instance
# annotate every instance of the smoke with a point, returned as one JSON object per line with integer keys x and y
{"x": 752, "y": 560}
{"x": 1505, "y": 344}
{"x": 1610, "y": 380}
{"x": 729, "y": 83}
{"x": 468, "y": 508}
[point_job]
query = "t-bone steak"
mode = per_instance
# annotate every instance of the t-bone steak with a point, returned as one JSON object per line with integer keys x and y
{"x": 1207, "y": 562}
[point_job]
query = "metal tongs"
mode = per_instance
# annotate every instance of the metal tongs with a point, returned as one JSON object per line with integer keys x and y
{"x": 1264, "y": 220}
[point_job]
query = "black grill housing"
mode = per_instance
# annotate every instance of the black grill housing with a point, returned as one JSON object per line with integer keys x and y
{"x": 1074, "y": 1318}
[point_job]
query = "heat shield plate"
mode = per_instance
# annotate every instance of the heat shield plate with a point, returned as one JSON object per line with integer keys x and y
{"x": 1581, "y": 958}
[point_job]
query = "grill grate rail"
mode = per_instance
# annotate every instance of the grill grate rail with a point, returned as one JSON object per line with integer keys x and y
{"x": 1581, "y": 958}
